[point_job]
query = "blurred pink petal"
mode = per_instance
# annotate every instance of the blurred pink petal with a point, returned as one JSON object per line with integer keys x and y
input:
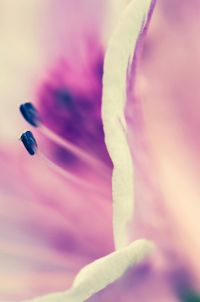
{"x": 162, "y": 113}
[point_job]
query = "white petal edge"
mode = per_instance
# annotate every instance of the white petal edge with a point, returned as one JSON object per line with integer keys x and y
{"x": 120, "y": 50}
{"x": 102, "y": 272}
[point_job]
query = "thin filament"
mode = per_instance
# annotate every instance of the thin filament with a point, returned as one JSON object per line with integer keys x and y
{"x": 87, "y": 158}
{"x": 68, "y": 175}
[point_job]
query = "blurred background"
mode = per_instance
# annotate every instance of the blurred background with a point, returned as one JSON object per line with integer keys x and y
{"x": 55, "y": 207}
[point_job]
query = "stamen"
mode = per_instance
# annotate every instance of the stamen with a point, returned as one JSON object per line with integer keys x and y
{"x": 80, "y": 153}
{"x": 30, "y": 114}
{"x": 65, "y": 98}
{"x": 69, "y": 176}
{"x": 29, "y": 142}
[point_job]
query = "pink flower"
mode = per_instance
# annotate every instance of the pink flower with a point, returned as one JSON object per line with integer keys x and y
{"x": 56, "y": 218}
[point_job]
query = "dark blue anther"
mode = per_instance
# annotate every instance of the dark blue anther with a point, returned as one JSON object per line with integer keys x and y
{"x": 64, "y": 98}
{"x": 29, "y": 142}
{"x": 30, "y": 114}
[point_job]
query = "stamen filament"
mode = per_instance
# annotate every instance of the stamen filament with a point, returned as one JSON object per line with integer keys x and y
{"x": 70, "y": 176}
{"x": 31, "y": 115}
{"x": 80, "y": 153}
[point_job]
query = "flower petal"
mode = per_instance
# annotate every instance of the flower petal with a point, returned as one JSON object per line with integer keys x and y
{"x": 163, "y": 125}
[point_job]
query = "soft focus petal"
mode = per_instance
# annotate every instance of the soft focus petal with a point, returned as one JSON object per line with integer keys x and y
{"x": 162, "y": 114}
{"x": 41, "y": 219}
